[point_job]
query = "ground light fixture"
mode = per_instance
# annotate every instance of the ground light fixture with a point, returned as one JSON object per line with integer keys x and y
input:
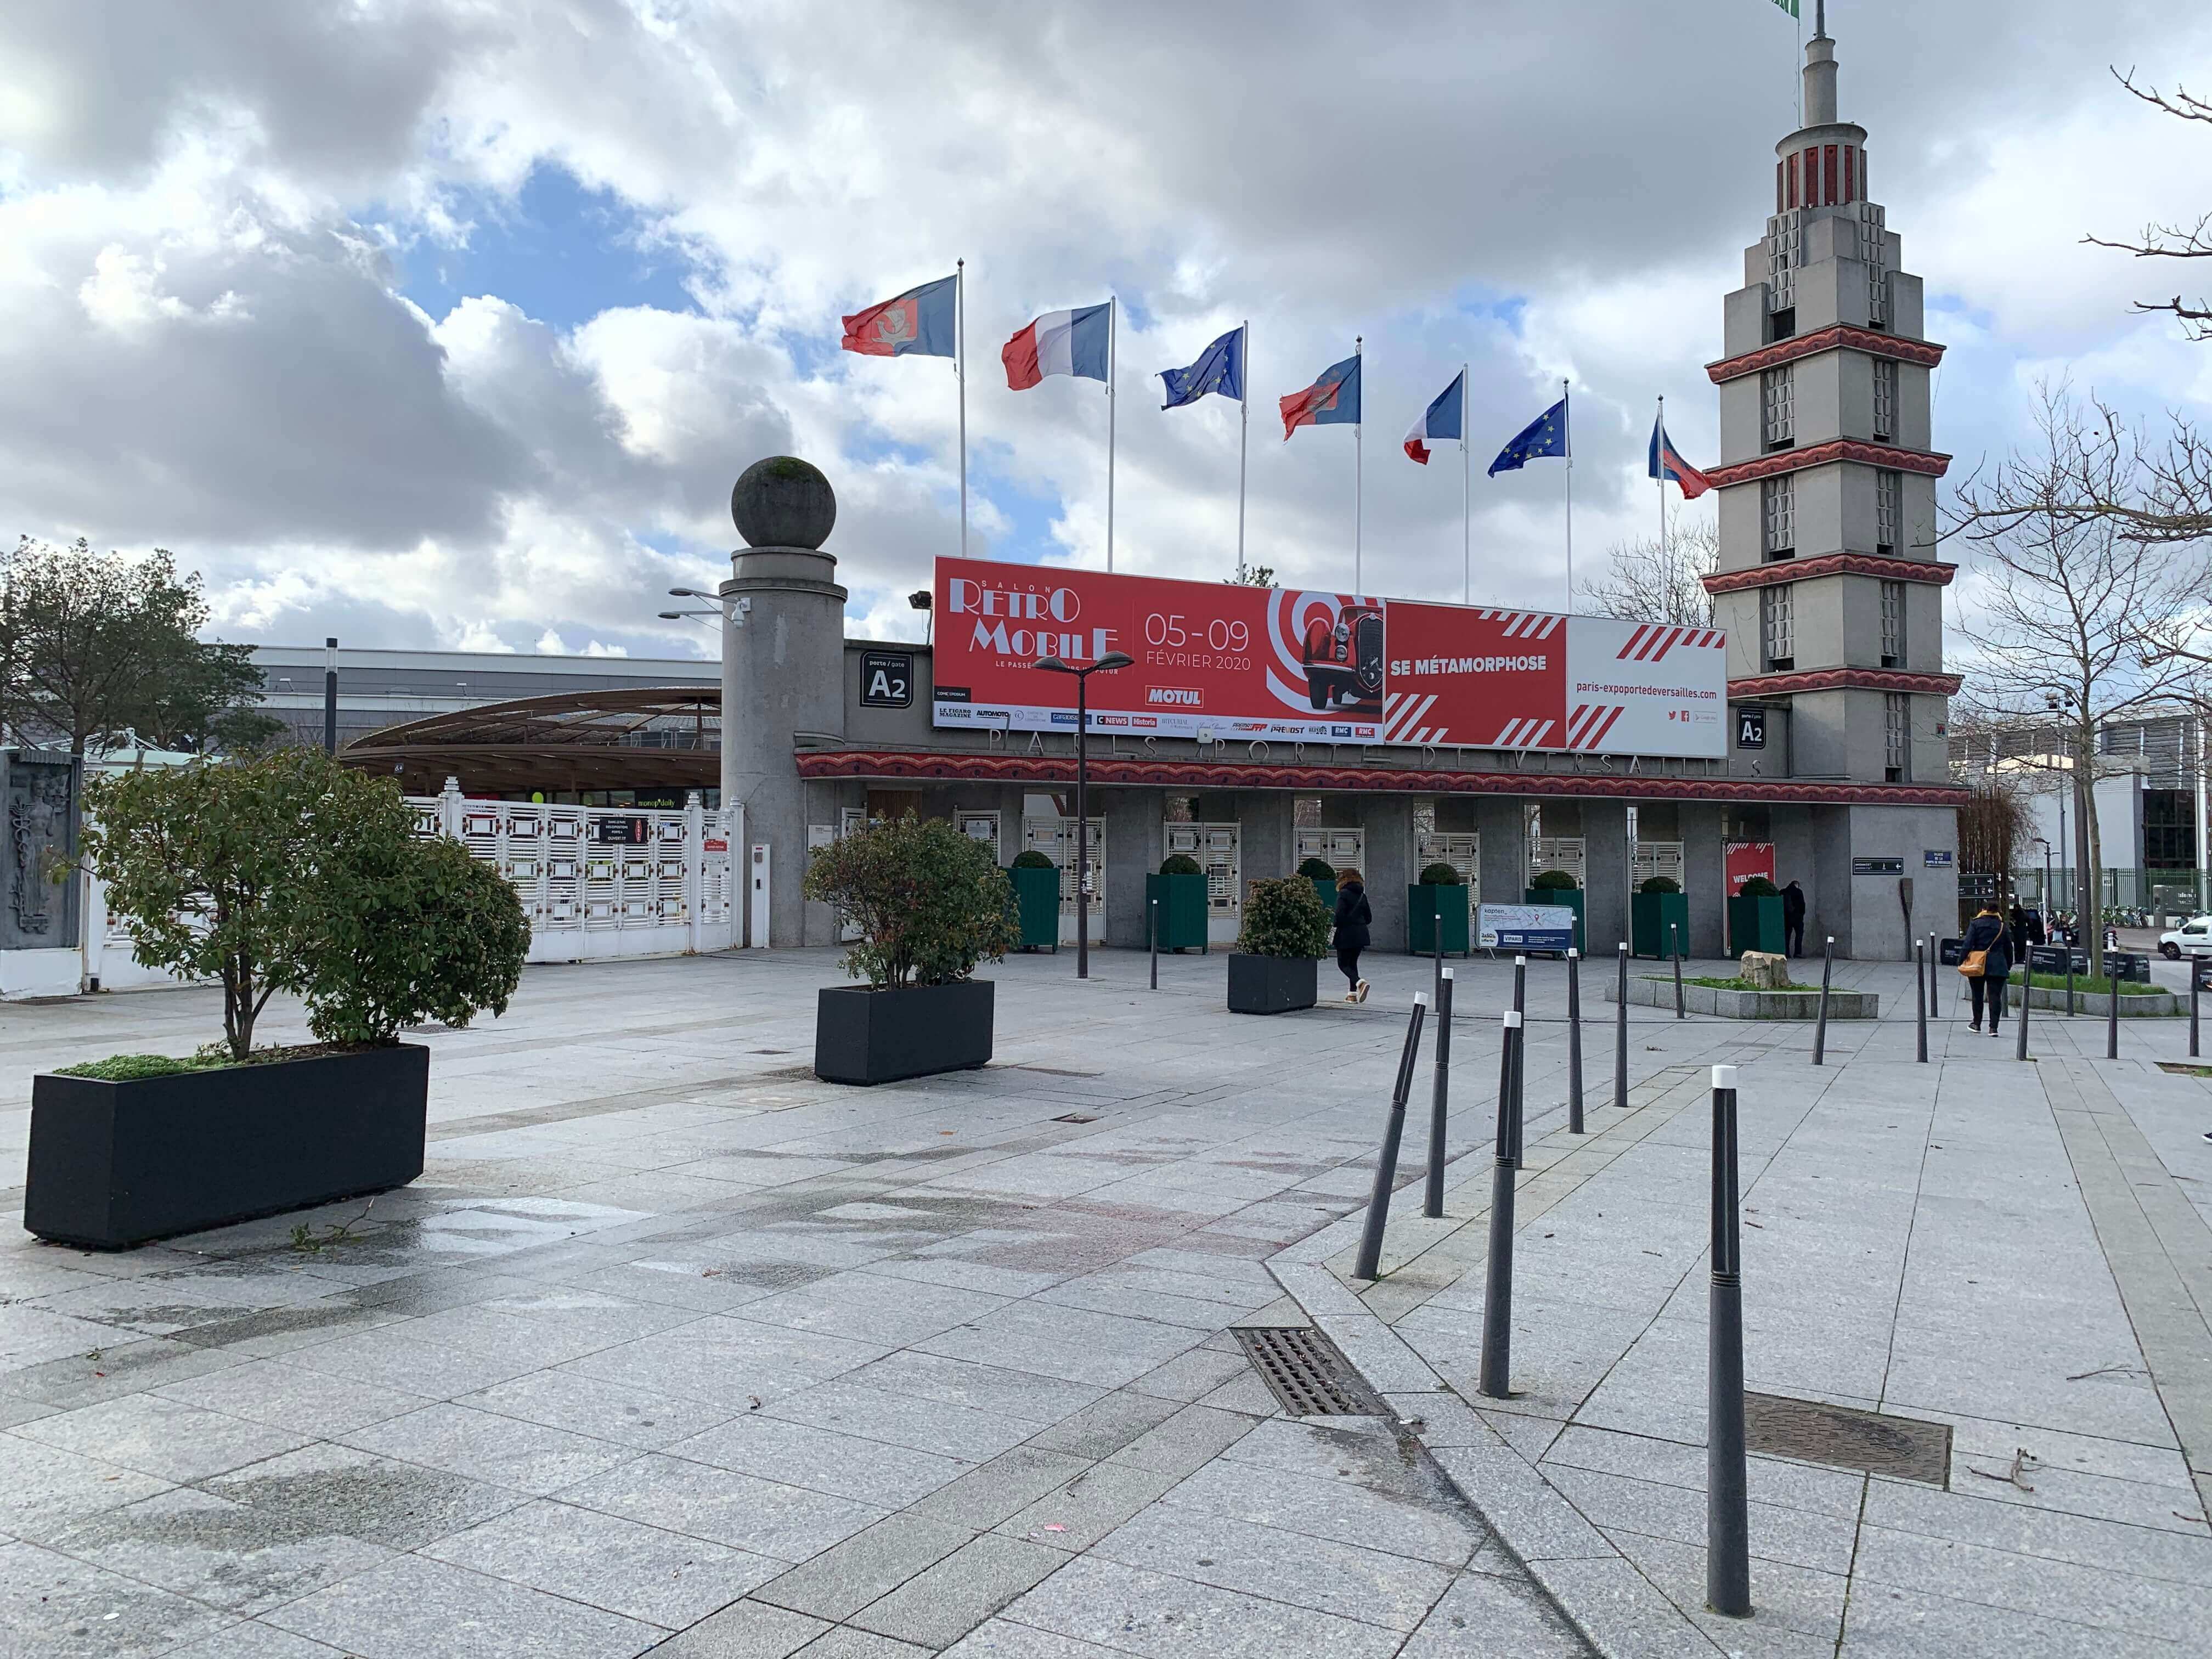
{"x": 1106, "y": 664}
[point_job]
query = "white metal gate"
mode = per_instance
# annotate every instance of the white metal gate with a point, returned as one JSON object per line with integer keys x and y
{"x": 1559, "y": 852}
{"x": 614, "y": 874}
{"x": 1340, "y": 849}
{"x": 1056, "y": 839}
{"x": 1460, "y": 848}
{"x": 983, "y": 828}
{"x": 1219, "y": 848}
{"x": 1656, "y": 858}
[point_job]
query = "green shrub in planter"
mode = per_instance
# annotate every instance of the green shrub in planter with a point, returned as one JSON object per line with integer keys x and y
{"x": 1754, "y": 918}
{"x": 1658, "y": 905}
{"x": 1557, "y": 887}
{"x": 1036, "y": 897}
{"x": 1437, "y": 908}
{"x": 1179, "y": 889}
{"x": 1322, "y": 874}
{"x": 1275, "y": 969}
{"x": 930, "y": 905}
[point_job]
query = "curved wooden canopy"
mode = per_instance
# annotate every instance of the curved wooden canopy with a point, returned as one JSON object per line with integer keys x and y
{"x": 635, "y": 738}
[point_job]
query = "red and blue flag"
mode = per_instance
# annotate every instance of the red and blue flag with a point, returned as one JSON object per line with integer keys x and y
{"x": 1332, "y": 400}
{"x": 1667, "y": 464}
{"x": 919, "y": 322}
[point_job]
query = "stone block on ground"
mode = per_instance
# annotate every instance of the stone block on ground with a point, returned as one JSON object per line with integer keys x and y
{"x": 1765, "y": 971}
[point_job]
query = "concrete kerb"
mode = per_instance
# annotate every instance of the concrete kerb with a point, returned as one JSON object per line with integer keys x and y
{"x": 1534, "y": 1522}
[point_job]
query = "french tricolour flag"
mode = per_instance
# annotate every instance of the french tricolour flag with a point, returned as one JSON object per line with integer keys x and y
{"x": 1441, "y": 422}
{"x": 1060, "y": 342}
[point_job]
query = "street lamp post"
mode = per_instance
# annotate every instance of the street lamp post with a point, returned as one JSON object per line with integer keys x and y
{"x": 1111, "y": 660}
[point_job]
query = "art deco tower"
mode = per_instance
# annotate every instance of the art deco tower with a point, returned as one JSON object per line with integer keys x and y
{"x": 1829, "y": 586}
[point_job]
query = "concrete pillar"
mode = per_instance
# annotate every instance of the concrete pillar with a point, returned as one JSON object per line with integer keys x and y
{"x": 1791, "y": 828}
{"x": 783, "y": 657}
{"x": 1604, "y": 904}
{"x": 1388, "y": 822}
{"x": 1703, "y": 874}
{"x": 1265, "y": 820}
{"x": 1499, "y": 820}
{"x": 1134, "y": 844}
{"x": 1830, "y": 912}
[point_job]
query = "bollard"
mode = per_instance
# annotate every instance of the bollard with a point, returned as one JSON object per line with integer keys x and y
{"x": 1935, "y": 992}
{"x": 1728, "y": 1477}
{"x": 1370, "y": 1265}
{"x": 1675, "y": 931}
{"x": 1920, "y": 1001}
{"x": 2020, "y": 1036}
{"x": 1620, "y": 1036}
{"x": 1498, "y": 1296}
{"x": 2195, "y": 968}
{"x": 2112, "y": 1011}
{"x": 1520, "y": 1048}
{"x": 1820, "y": 1026}
{"x": 1437, "y": 945}
{"x": 1574, "y": 1041}
{"x": 1152, "y": 939}
{"x": 1440, "y": 1098}
{"x": 2069, "y": 982}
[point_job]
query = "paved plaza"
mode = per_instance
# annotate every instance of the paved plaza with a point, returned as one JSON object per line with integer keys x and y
{"x": 676, "y": 1349}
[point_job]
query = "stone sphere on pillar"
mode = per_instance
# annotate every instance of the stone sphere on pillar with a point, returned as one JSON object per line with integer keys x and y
{"x": 783, "y": 502}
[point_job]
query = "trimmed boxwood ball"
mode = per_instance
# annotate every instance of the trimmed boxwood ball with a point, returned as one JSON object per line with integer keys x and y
{"x": 1758, "y": 887}
{"x": 1180, "y": 864}
{"x": 1030, "y": 859}
{"x": 1440, "y": 875}
{"x": 1283, "y": 917}
{"x": 1317, "y": 870}
{"x": 783, "y": 502}
{"x": 1660, "y": 885}
{"x": 1553, "y": 881}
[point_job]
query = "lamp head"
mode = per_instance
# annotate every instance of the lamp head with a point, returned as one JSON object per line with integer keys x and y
{"x": 1116, "y": 659}
{"x": 1052, "y": 665}
{"x": 919, "y": 598}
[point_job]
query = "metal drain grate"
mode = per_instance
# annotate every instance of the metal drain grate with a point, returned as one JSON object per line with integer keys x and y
{"x": 1306, "y": 1372}
{"x": 1815, "y": 1433}
{"x": 1074, "y": 1117}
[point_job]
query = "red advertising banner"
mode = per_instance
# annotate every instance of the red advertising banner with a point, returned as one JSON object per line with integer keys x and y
{"x": 1743, "y": 860}
{"x": 1228, "y": 662}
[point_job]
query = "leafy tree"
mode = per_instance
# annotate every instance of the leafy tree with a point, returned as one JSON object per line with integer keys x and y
{"x": 930, "y": 904}
{"x": 94, "y": 645}
{"x": 288, "y": 872}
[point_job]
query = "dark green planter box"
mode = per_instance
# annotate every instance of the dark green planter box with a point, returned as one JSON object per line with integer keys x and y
{"x": 1271, "y": 985}
{"x": 1650, "y": 914}
{"x": 1754, "y": 924}
{"x": 1429, "y": 908}
{"x": 1327, "y": 891}
{"x": 1572, "y": 897}
{"x": 1036, "y": 894}
{"x": 1182, "y": 912}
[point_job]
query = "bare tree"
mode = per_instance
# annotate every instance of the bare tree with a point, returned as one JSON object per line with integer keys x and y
{"x": 2158, "y": 240}
{"x": 2079, "y": 624}
{"x": 1648, "y": 580}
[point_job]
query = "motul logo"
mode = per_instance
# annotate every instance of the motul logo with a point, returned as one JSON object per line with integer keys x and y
{"x": 1180, "y": 699}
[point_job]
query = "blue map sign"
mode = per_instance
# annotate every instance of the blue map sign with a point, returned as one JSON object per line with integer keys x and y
{"x": 1525, "y": 928}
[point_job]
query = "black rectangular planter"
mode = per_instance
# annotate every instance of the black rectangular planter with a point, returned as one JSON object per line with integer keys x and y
{"x": 862, "y": 1036}
{"x": 114, "y": 1165}
{"x": 1271, "y": 985}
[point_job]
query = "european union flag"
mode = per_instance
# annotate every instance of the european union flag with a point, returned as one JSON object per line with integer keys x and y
{"x": 1545, "y": 435}
{"x": 1219, "y": 367}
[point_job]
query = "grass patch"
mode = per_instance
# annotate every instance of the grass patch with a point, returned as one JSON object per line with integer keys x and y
{"x": 130, "y": 1068}
{"x": 1739, "y": 983}
{"x": 2184, "y": 1069}
{"x": 2096, "y": 988}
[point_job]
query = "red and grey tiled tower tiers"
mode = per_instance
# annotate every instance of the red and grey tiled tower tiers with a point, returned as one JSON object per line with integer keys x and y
{"x": 1829, "y": 584}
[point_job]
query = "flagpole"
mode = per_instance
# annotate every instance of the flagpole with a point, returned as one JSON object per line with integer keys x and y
{"x": 1113, "y": 319}
{"x": 1358, "y": 462}
{"x": 960, "y": 374}
{"x": 1466, "y": 500}
{"x": 1567, "y": 420}
{"x": 1661, "y": 481}
{"x": 1243, "y": 429}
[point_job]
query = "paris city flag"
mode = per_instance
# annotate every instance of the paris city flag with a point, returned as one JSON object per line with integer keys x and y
{"x": 1060, "y": 342}
{"x": 1666, "y": 463}
{"x": 1443, "y": 421}
{"x": 919, "y": 321}
{"x": 1332, "y": 400}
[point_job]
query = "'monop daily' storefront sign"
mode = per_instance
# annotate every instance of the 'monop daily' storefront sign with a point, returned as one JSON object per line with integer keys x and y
{"x": 1235, "y": 663}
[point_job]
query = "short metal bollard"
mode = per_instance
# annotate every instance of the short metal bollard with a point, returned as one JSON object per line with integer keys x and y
{"x": 1727, "y": 1476}
{"x": 1440, "y": 1098}
{"x": 1436, "y": 943}
{"x": 1574, "y": 1041}
{"x": 1675, "y": 931}
{"x": 1520, "y": 1048}
{"x": 2112, "y": 1011}
{"x": 2027, "y": 997}
{"x": 1935, "y": 990}
{"x": 1621, "y": 1036}
{"x": 1152, "y": 938}
{"x": 1820, "y": 1026}
{"x": 1920, "y": 1001}
{"x": 1370, "y": 1265}
{"x": 1494, "y": 1377}
{"x": 2196, "y": 984}
{"x": 2069, "y": 981}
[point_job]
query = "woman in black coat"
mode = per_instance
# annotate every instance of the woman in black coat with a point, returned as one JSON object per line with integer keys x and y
{"x": 1353, "y": 915}
{"x": 1987, "y": 932}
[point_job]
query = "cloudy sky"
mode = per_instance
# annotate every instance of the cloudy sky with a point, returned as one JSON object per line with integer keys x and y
{"x": 450, "y": 322}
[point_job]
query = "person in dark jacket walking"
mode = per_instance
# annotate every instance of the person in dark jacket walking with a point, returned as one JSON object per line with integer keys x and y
{"x": 1793, "y": 920}
{"x": 1353, "y": 917}
{"x": 1987, "y": 932}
